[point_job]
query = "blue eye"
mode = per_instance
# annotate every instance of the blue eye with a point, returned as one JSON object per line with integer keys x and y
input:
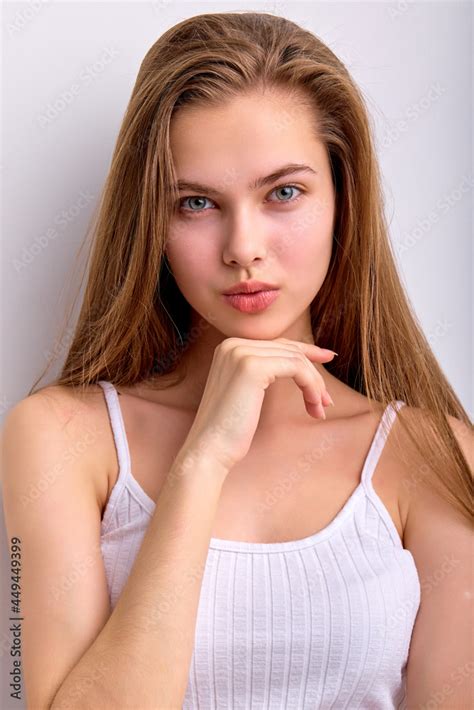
{"x": 286, "y": 187}
{"x": 195, "y": 212}
{"x": 193, "y": 197}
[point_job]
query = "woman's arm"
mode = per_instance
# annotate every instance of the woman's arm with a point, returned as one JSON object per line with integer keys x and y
{"x": 440, "y": 663}
{"x": 146, "y": 646}
{"x": 78, "y": 654}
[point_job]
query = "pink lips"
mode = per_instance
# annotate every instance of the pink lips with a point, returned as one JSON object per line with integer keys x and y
{"x": 252, "y": 302}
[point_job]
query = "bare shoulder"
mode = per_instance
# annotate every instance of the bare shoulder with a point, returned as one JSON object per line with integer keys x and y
{"x": 79, "y": 416}
{"x": 406, "y": 470}
{"x": 72, "y": 410}
{"x": 412, "y": 416}
{"x": 420, "y": 504}
{"x": 62, "y": 402}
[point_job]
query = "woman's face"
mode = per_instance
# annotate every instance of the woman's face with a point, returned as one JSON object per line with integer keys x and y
{"x": 228, "y": 232}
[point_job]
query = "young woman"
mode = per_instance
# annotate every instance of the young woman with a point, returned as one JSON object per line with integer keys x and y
{"x": 214, "y": 510}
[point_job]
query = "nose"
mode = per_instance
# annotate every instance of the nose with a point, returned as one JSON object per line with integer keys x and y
{"x": 244, "y": 241}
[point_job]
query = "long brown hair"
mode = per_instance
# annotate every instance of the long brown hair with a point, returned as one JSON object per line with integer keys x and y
{"x": 134, "y": 323}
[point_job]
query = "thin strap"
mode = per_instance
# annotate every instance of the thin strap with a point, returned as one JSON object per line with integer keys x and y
{"x": 378, "y": 442}
{"x": 118, "y": 428}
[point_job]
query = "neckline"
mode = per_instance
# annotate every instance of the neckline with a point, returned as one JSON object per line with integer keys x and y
{"x": 224, "y": 544}
{"x": 244, "y": 546}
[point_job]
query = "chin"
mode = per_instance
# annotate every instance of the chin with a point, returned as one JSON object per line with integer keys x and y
{"x": 256, "y": 328}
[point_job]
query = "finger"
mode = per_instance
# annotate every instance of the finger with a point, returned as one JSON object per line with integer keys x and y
{"x": 309, "y": 346}
{"x": 309, "y": 349}
{"x": 327, "y": 399}
{"x": 314, "y": 352}
{"x": 315, "y": 404}
{"x": 241, "y": 351}
{"x": 293, "y": 366}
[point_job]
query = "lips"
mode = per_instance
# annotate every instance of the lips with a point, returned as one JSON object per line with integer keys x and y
{"x": 246, "y": 287}
{"x": 252, "y": 302}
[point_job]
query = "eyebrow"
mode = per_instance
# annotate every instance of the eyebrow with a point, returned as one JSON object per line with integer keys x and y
{"x": 255, "y": 185}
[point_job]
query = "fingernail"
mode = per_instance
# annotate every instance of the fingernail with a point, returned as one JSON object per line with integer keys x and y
{"x": 330, "y": 400}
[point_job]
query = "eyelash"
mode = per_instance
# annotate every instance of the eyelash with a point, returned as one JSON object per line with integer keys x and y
{"x": 195, "y": 213}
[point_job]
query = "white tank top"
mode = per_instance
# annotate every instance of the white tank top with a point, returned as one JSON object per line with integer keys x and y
{"x": 318, "y": 623}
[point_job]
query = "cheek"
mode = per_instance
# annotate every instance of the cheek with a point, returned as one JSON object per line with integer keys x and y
{"x": 192, "y": 266}
{"x": 307, "y": 243}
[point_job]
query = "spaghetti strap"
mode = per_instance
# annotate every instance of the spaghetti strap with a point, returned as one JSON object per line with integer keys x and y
{"x": 379, "y": 440}
{"x": 118, "y": 429}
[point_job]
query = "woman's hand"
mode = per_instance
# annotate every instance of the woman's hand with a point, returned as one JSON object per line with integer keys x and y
{"x": 240, "y": 372}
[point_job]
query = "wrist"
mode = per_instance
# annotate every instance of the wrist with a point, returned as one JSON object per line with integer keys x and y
{"x": 191, "y": 463}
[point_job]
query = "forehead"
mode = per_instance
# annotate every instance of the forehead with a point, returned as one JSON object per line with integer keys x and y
{"x": 247, "y": 136}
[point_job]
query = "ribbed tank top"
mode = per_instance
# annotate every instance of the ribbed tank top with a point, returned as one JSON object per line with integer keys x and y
{"x": 321, "y": 622}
